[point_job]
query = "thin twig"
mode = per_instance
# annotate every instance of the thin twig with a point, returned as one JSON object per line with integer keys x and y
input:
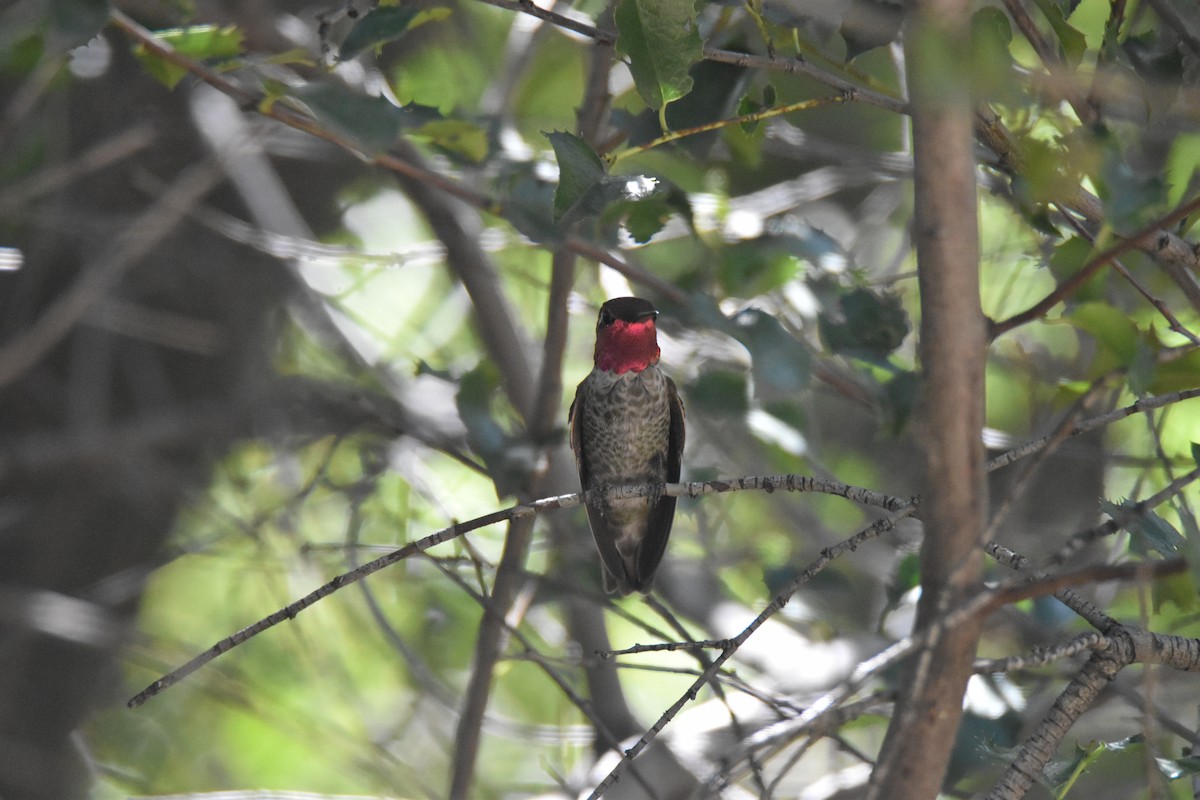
{"x": 1152, "y": 232}
{"x": 797, "y": 483}
{"x": 827, "y": 556}
{"x": 1141, "y": 406}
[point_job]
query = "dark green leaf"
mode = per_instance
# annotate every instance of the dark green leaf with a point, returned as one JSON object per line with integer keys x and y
{"x": 72, "y": 22}
{"x": 991, "y": 61}
{"x": 529, "y": 202}
{"x": 643, "y": 217}
{"x": 1071, "y": 42}
{"x": 1142, "y": 368}
{"x": 1112, "y": 330}
{"x": 720, "y": 393}
{"x": 900, "y": 396}
{"x": 1149, "y": 529}
{"x": 373, "y": 122}
{"x": 509, "y": 460}
{"x": 781, "y": 365}
{"x": 868, "y": 24}
{"x": 662, "y": 43}
{"x": 1067, "y": 259}
{"x": 1175, "y": 768}
{"x": 378, "y": 26}
{"x": 865, "y": 325}
{"x": 755, "y": 266}
{"x": 579, "y": 170}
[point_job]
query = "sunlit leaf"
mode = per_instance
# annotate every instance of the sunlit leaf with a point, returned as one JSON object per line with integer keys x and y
{"x": 1178, "y": 590}
{"x": 1176, "y": 768}
{"x": 460, "y": 137}
{"x": 201, "y": 42}
{"x": 1111, "y": 329}
{"x": 1071, "y": 42}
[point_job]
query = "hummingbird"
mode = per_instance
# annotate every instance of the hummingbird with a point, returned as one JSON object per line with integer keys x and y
{"x": 627, "y": 428}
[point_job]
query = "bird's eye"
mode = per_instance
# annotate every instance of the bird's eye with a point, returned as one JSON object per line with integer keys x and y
{"x": 606, "y": 318}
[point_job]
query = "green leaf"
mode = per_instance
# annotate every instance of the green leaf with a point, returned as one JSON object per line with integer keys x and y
{"x": 991, "y": 61}
{"x": 1183, "y": 167}
{"x": 579, "y": 169}
{"x": 373, "y": 122}
{"x": 755, "y": 266}
{"x": 1196, "y": 453}
{"x": 202, "y": 42}
{"x": 1179, "y": 590}
{"x": 1067, "y": 259}
{"x": 900, "y": 398}
{"x": 377, "y": 27}
{"x": 1142, "y": 368}
{"x": 1071, "y": 42}
{"x": 719, "y": 392}
{"x": 529, "y": 202}
{"x": 1149, "y": 529}
{"x": 509, "y": 460}
{"x": 644, "y": 217}
{"x": 781, "y": 365}
{"x": 1176, "y": 768}
{"x": 867, "y": 325}
{"x": 868, "y": 24}
{"x": 1191, "y": 535}
{"x": 457, "y": 137}
{"x": 662, "y": 43}
{"x": 1112, "y": 330}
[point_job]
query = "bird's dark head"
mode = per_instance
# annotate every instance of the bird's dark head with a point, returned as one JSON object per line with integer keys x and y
{"x": 626, "y": 338}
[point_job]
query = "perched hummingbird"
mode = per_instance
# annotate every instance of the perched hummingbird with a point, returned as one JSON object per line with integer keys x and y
{"x": 627, "y": 428}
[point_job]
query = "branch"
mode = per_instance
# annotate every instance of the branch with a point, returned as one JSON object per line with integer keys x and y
{"x": 1140, "y": 406}
{"x": 795, "y": 483}
{"x": 871, "y": 532}
{"x": 953, "y": 350}
{"x": 1150, "y": 236}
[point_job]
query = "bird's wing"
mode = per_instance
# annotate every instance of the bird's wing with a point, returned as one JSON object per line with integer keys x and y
{"x": 654, "y": 545}
{"x": 606, "y": 540}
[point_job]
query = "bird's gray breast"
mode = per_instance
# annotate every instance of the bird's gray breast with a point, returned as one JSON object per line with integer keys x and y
{"x": 626, "y": 427}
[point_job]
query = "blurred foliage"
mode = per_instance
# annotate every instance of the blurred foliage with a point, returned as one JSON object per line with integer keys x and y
{"x": 792, "y": 334}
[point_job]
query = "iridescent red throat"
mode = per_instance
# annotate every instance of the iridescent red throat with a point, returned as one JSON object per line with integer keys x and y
{"x": 624, "y": 346}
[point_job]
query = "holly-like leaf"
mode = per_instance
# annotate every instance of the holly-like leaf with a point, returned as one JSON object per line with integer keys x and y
{"x": 201, "y": 42}
{"x": 781, "y": 365}
{"x": 1150, "y": 531}
{"x": 1071, "y": 41}
{"x": 662, "y": 43}
{"x": 579, "y": 170}
{"x": 867, "y": 325}
{"x": 378, "y": 26}
{"x": 457, "y": 137}
{"x": 1067, "y": 259}
{"x": 509, "y": 460}
{"x": 373, "y": 122}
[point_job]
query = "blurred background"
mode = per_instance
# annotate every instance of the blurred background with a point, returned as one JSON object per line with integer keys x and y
{"x": 238, "y": 359}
